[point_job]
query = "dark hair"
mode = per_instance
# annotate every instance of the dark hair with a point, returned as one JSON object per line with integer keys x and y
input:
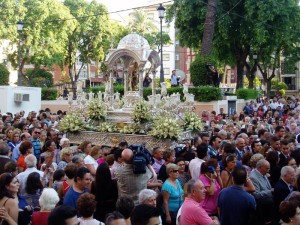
{"x": 125, "y": 206}
{"x": 117, "y": 154}
{"x": 24, "y": 147}
{"x": 5, "y": 179}
{"x": 228, "y": 148}
{"x": 296, "y": 155}
{"x": 10, "y": 167}
{"x": 287, "y": 209}
{"x": 179, "y": 159}
{"x": 70, "y": 170}
{"x": 47, "y": 145}
{"x": 4, "y": 148}
{"x": 261, "y": 132}
{"x": 86, "y": 204}
{"x": 58, "y": 175}
{"x": 103, "y": 180}
{"x": 33, "y": 183}
{"x": 110, "y": 217}
{"x": 246, "y": 158}
{"x": 228, "y": 158}
{"x": 239, "y": 175}
{"x": 81, "y": 173}
{"x": 123, "y": 144}
{"x": 205, "y": 165}
{"x": 141, "y": 214}
{"x": 278, "y": 128}
{"x": 272, "y": 158}
{"x": 202, "y": 150}
{"x": 212, "y": 139}
{"x": 60, "y": 214}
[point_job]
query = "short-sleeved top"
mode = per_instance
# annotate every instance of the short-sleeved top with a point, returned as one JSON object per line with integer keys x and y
{"x": 40, "y": 218}
{"x": 89, "y": 160}
{"x": 210, "y": 201}
{"x": 21, "y": 162}
{"x": 71, "y": 197}
{"x": 175, "y": 198}
{"x": 236, "y": 198}
{"x": 193, "y": 214}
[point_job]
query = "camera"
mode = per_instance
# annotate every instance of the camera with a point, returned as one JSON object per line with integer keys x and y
{"x": 211, "y": 169}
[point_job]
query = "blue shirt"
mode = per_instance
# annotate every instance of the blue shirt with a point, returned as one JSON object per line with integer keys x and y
{"x": 175, "y": 198}
{"x": 36, "y": 144}
{"x": 71, "y": 197}
{"x": 235, "y": 206}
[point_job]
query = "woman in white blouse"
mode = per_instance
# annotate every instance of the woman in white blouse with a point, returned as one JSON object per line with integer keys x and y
{"x": 91, "y": 159}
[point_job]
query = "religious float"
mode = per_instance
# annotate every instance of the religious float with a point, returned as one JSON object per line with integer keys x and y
{"x": 106, "y": 118}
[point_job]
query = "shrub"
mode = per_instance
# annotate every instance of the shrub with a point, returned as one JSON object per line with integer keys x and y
{"x": 206, "y": 93}
{"x": 202, "y": 93}
{"x": 4, "y": 75}
{"x": 198, "y": 70}
{"x": 49, "y": 93}
{"x": 244, "y": 93}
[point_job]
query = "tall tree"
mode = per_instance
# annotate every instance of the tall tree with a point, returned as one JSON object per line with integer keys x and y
{"x": 243, "y": 27}
{"x": 89, "y": 39}
{"x": 46, "y": 24}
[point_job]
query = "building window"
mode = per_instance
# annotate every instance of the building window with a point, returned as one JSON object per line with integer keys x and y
{"x": 177, "y": 57}
{"x": 166, "y": 57}
{"x": 92, "y": 74}
{"x": 166, "y": 71}
{"x": 92, "y": 63}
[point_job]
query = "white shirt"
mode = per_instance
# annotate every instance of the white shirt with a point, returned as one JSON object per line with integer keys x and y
{"x": 194, "y": 167}
{"x": 89, "y": 160}
{"x": 22, "y": 177}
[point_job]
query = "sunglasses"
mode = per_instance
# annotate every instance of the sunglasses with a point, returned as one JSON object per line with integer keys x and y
{"x": 174, "y": 171}
{"x": 37, "y": 132}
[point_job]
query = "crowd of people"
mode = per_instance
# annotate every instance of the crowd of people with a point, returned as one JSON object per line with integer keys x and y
{"x": 241, "y": 169}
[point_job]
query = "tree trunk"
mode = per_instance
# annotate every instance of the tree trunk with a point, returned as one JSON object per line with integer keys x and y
{"x": 269, "y": 85}
{"x": 239, "y": 74}
{"x": 209, "y": 27}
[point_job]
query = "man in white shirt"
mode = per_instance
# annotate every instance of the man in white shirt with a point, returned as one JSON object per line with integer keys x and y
{"x": 195, "y": 164}
{"x": 30, "y": 161}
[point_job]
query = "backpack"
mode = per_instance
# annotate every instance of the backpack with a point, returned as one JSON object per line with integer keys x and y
{"x": 141, "y": 158}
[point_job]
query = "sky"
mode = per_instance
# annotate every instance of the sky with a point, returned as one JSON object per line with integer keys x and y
{"x": 117, "y": 5}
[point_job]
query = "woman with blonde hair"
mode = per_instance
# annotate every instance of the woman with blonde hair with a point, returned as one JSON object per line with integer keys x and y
{"x": 14, "y": 139}
{"x": 91, "y": 159}
{"x": 84, "y": 148}
{"x": 172, "y": 195}
{"x": 66, "y": 155}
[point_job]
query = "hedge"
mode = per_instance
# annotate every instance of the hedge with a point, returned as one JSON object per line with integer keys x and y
{"x": 244, "y": 93}
{"x": 202, "y": 93}
{"x": 49, "y": 93}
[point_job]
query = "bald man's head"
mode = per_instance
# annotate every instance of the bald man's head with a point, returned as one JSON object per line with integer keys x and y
{"x": 127, "y": 155}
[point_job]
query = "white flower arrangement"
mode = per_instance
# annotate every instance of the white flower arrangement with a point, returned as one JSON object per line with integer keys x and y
{"x": 130, "y": 129}
{"x": 96, "y": 110}
{"x": 72, "y": 122}
{"x": 192, "y": 121}
{"x": 106, "y": 127}
{"x": 166, "y": 127}
{"x": 141, "y": 112}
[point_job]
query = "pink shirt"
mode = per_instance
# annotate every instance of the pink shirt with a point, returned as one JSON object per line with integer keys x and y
{"x": 193, "y": 214}
{"x": 210, "y": 201}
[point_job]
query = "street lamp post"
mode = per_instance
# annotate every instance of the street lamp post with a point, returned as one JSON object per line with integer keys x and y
{"x": 161, "y": 12}
{"x": 20, "y": 28}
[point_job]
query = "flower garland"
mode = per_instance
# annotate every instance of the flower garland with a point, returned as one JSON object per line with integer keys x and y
{"x": 106, "y": 127}
{"x": 192, "y": 121}
{"x": 72, "y": 122}
{"x": 166, "y": 127}
{"x": 141, "y": 112}
{"x": 130, "y": 129}
{"x": 96, "y": 110}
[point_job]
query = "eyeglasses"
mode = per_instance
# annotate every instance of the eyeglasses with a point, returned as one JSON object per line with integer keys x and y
{"x": 37, "y": 132}
{"x": 174, "y": 171}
